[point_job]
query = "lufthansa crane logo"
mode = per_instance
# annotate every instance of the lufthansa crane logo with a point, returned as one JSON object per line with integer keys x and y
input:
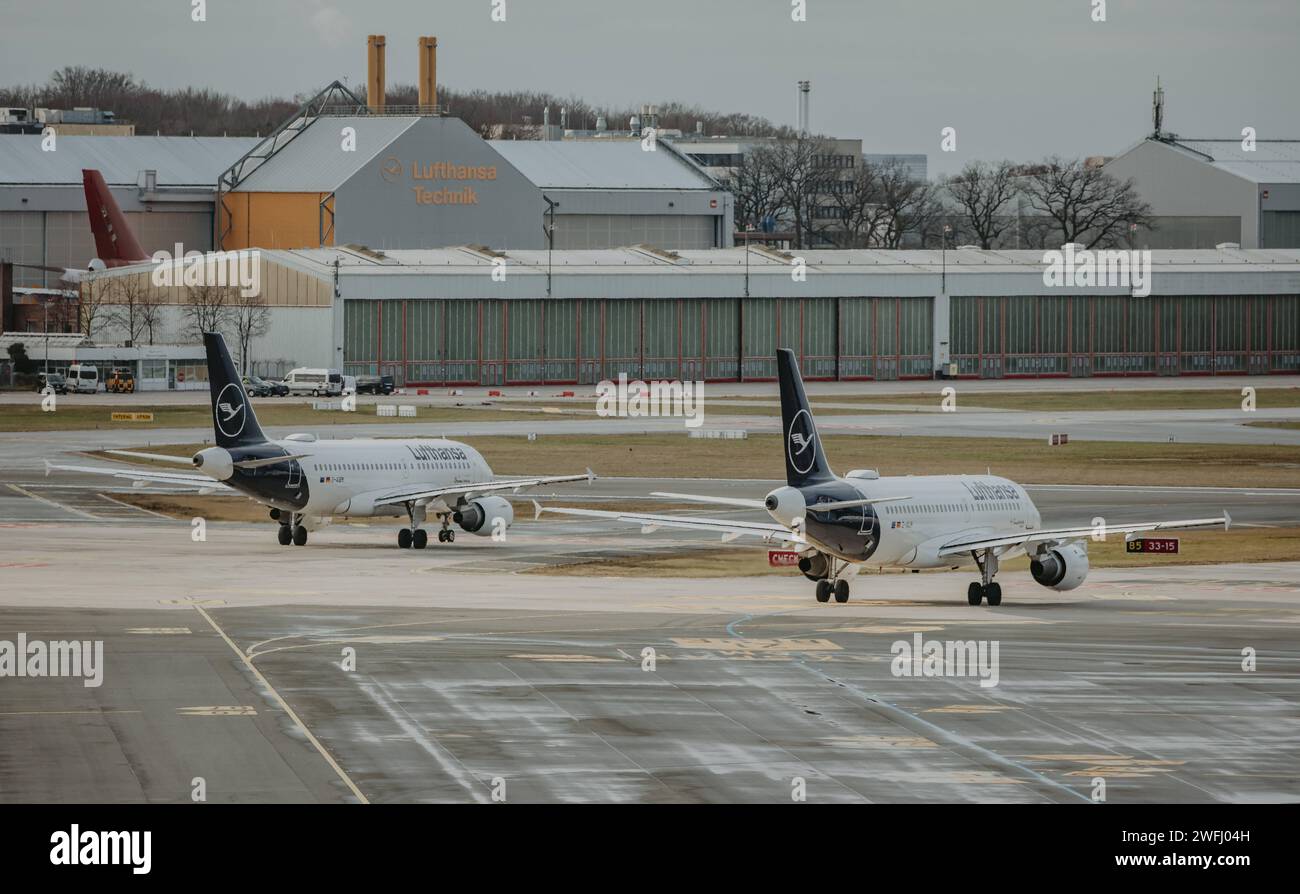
{"x": 391, "y": 168}
{"x": 801, "y": 442}
{"x": 229, "y": 412}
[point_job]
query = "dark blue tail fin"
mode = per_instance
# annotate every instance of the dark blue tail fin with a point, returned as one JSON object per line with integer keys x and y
{"x": 805, "y": 460}
{"x": 232, "y": 412}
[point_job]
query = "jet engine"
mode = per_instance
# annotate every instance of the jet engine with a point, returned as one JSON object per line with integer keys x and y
{"x": 815, "y": 566}
{"x": 786, "y": 505}
{"x": 215, "y": 461}
{"x": 1061, "y": 568}
{"x": 484, "y": 515}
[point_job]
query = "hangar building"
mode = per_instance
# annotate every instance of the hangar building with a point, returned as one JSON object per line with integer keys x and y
{"x": 468, "y": 315}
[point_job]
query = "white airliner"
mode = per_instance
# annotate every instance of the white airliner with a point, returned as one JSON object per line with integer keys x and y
{"x": 931, "y": 521}
{"x": 307, "y": 481}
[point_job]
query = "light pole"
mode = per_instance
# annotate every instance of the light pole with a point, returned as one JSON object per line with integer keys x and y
{"x": 943, "y": 253}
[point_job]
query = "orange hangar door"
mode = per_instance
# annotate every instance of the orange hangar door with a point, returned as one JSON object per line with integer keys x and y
{"x": 277, "y": 220}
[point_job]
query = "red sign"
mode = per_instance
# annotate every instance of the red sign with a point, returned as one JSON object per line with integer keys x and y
{"x": 1166, "y": 545}
{"x": 782, "y": 558}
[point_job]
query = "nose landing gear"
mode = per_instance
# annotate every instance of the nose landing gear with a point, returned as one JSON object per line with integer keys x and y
{"x": 833, "y": 585}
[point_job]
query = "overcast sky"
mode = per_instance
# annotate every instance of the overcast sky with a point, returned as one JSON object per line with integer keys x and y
{"x": 1016, "y": 78}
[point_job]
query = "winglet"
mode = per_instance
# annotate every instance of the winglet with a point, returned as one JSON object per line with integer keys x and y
{"x": 591, "y": 476}
{"x": 537, "y": 510}
{"x": 1227, "y": 520}
{"x": 47, "y": 468}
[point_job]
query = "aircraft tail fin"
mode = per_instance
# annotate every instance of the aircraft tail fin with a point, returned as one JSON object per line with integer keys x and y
{"x": 114, "y": 241}
{"x": 233, "y": 419}
{"x": 805, "y": 460}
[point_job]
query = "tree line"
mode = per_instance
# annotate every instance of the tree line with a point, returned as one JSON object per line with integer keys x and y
{"x": 794, "y": 186}
{"x": 206, "y": 112}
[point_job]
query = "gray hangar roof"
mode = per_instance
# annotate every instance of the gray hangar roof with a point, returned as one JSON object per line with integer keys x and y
{"x": 1272, "y": 161}
{"x": 313, "y": 160}
{"x": 179, "y": 161}
{"x": 642, "y": 272}
{"x": 601, "y": 164}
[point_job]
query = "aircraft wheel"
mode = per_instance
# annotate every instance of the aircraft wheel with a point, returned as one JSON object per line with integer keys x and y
{"x": 823, "y": 591}
{"x": 420, "y": 539}
{"x": 974, "y": 593}
{"x": 299, "y": 536}
{"x": 284, "y": 535}
{"x": 841, "y": 591}
{"x": 993, "y": 593}
{"x": 404, "y": 538}
{"x": 451, "y": 536}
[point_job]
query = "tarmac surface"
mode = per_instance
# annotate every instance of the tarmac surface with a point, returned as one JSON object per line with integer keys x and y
{"x": 224, "y": 660}
{"x": 349, "y": 670}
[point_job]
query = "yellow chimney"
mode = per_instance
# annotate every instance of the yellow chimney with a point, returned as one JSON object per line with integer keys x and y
{"x": 428, "y": 71}
{"x": 375, "y": 73}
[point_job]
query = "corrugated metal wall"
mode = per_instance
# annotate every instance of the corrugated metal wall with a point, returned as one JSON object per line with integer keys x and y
{"x": 1117, "y": 335}
{"x": 494, "y": 342}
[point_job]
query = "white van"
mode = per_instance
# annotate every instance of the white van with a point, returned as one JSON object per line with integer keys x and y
{"x": 315, "y": 382}
{"x": 83, "y": 378}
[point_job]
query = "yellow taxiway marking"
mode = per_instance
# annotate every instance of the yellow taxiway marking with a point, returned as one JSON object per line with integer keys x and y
{"x": 136, "y": 508}
{"x": 48, "y": 502}
{"x": 970, "y": 709}
{"x": 584, "y": 658}
{"x": 865, "y": 741}
{"x": 218, "y": 711}
{"x": 284, "y": 705}
{"x": 749, "y": 644}
{"x": 89, "y": 711}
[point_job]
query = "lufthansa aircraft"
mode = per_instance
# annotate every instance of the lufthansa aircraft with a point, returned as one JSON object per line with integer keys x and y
{"x": 306, "y": 480}
{"x": 932, "y": 521}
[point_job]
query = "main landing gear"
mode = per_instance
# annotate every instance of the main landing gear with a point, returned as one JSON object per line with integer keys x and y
{"x": 291, "y": 531}
{"x": 833, "y": 585}
{"x": 985, "y": 588}
{"x": 415, "y": 537}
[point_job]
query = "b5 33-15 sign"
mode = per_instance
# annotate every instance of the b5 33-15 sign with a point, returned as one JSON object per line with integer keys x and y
{"x": 1166, "y": 545}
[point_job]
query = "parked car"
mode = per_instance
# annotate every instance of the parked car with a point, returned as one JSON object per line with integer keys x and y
{"x": 375, "y": 385}
{"x": 53, "y": 382}
{"x": 83, "y": 378}
{"x": 258, "y": 387}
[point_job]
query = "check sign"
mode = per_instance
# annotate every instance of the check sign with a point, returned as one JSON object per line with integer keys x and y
{"x": 782, "y": 558}
{"x": 1166, "y": 545}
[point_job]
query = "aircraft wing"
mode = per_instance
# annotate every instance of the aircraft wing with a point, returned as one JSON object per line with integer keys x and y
{"x": 1025, "y": 538}
{"x": 728, "y": 528}
{"x": 742, "y": 503}
{"x": 140, "y": 477}
{"x": 481, "y": 487}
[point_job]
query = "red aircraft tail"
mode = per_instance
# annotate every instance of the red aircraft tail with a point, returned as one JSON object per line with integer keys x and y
{"x": 115, "y": 244}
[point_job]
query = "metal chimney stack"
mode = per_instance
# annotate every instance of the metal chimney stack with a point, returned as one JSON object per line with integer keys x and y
{"x": 428, "y": 85}
{"x": 375, "y": 72}
{"x": 805, "y": 87}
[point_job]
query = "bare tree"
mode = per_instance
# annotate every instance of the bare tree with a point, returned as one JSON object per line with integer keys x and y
{"x": 91, "y": 310}
{"x": 910, "y": 207}
{"x": 798, "y": 169}
{"x": 150, "y": 313}
{"x": 982, "y": 192}
{"x": 251, "y": 319}
{"x": 1085, "y": 204}
{"x": 207, "y": 309}
{"x": 126, "y": 297}
{"x": 753, "y": 187}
